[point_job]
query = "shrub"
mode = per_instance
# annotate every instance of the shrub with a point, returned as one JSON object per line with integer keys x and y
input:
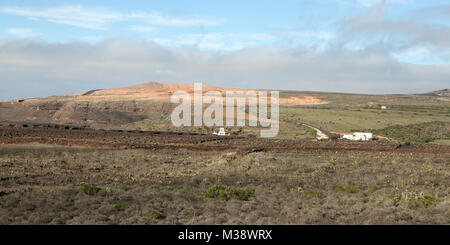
{"x": 333, "y": 161}
{"x": 88, "y": 189}
{"x": 347, "y": 188}
{"x": 120, "y": 205}
{"x": 334, "y": 136}
{"x": 229, "y": 192}
{"x": 156, "y": 215}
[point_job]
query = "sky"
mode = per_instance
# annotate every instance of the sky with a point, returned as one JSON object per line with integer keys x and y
{"x": 53, "y": 47}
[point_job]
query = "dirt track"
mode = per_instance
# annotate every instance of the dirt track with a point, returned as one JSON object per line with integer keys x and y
{"x": 74, "y": 136}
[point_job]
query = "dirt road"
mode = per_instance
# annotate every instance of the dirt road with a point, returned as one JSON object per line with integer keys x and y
{"x": 320, "y": 133}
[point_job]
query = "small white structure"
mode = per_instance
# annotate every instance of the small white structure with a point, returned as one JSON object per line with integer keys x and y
{"x": 358, "y": 136}
{"x": 221, "y": 132}
{"x": 321, "y": 137}
{"x": 383, "y": 107}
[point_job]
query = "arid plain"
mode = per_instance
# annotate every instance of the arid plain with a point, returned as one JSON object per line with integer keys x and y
{"x": 113, "y": 157}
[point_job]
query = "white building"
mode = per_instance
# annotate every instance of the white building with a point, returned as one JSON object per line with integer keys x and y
{"x": 383, "y": 107}
{"x": 358, "y": 136}
{"x": 221, "y": 132}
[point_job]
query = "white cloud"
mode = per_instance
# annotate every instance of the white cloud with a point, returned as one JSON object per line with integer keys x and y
{"x": 370, "y": 3}
{"x": 321, "y": 35}
{"x": 436, "y": 12}
{"x": 261, "y": 36}
{"x": 369, "y": 53}
{"x": 157, "y": 19}
{"x": 92, "y": 39}
{"x": 98, "y": 19}
{"x": 23, "y": 32}
{"x": 396, "y": 36}
{"x": 142, "y": 28}
{"x": 70, "y": 15}
{"x": 216, "y": 41}
{"x": 52, "y": 68}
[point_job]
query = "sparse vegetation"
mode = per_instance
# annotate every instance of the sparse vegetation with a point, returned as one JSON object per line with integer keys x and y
{"x": 120, "y": 206}
{"x": 226, "y": 192}
{"x": 333, "y": 161}
{"x": 123, "y": 187}
{"x": 413, "y": 108}
{"x": 132, "y": 176}
{"x": 347, "y": 188}
{"x": 88, "y": 189}
{"x": 422, "y": 132}
{"x": 316, "y": 193}
{"x": 201, "y": 187}
{"x": 334, "y": 136}
{"x": 156, "y": 214}
{"x": 413, "y": 199}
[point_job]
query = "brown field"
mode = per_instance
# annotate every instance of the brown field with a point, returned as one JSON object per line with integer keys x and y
{"x": 136, "y": 177}
{"x": 155, "y": 140}
{"x": 113, "y": 156}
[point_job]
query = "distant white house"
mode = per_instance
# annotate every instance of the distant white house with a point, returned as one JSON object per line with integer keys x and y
{"x": 221, "y": 132}
{"x": 358, "y": 136}
{"x": 383, "y": 107}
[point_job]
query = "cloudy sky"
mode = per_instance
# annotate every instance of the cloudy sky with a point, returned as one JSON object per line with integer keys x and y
{"x": 51, "y": 47}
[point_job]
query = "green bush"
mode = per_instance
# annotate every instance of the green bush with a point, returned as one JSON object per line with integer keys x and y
{"x": 120, "y": 205}
{"x": 156, "y": 215}
{"x": 88, "y": 189}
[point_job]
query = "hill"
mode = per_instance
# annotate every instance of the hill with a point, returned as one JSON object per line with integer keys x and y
{"x": 439, "y": 93}
{"x": 147, "y": 107}
{"x": 113, "y": 107}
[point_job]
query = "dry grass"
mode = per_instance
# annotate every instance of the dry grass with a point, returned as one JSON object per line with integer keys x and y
{"x": 53, "y": 185}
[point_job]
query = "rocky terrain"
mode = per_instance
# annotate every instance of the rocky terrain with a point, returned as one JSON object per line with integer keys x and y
{"x": 103, "y": 108}
{"x": 112, "y": 156}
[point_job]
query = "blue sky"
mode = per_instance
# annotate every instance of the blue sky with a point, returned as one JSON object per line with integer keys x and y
{"x": 208, "y": 24}
{"x": 257, "y": 44}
